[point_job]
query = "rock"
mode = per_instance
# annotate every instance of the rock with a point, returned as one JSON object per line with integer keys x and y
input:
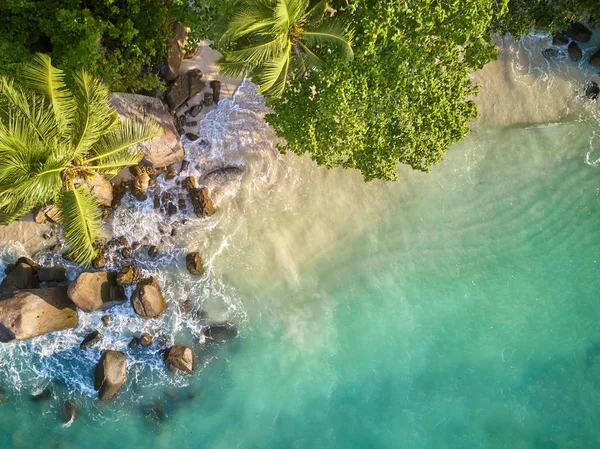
{"x": 46, "y": 236}
{"x": 106, "y": 319}
{"x": 550, "y": 53}
{"x": 179, "y": 92}
{"x": 43, "y": 395}
{"x": 99, "y": 261}
{"x": 195, "y": 110}
{"x": 192, "y": 138}
{"x": 163, "y": 149}
{"x": 135, "y": 245}
{"x": 559, "y": 39}
{"x": 100, "y": 187}
{"x": 9, "y": 268}
{"x": 147, "y": 299}
{"x": 175, "y": 52}
{"x": 140, "y": 184}
{"x": 196, "y": 82}
{"x": 90, "y": 340}
{"x": 153, "y": 251}
{"x": 49, "y": 274}
{"x": 110, "y": 374}
{"x": 70, "y": 412}
{"x": 26, "y": 261}
{"x": 49, "y": 213}
{"x": 119, "y": 192}
{"x": 145, "y": 339}
{"x": 191, "y": 123}
{"x": 154, "y": 413}
{"x": 208, "y": 99}
{"x": 179, "y": 358}
{"x": 98, "y": 290}
{"x": 30, "y": 313}
{"x": 222, "y": 175}
{"x": 20, "y": 278}
{"x": 171, "y": 209}
{"x": 203, "y": 205}
{"x": 170, "y": 174}
{"x": 578, "y": 32}
{"x": 127, "y": 253}
{"x": 595, "y": 59}
{"x": 184, "y": 163}
{"x": 193, "y": 263}
{"x": 128, "y": 275}
{"x": 592, "y": 91}
{"x": 575, "y": 52}
{"x": 216, "y": 88}
{"x": 134, "y": 343}
{"x": 220, "y": 332}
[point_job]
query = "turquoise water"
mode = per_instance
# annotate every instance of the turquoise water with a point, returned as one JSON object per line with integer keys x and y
{"x": 462, "y": 313}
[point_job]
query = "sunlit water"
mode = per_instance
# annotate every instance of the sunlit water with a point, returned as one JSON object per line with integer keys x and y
{"x": 457, "y": 309}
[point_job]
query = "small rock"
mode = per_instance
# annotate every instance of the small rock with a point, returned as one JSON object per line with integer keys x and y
{"x": 155, "y": 413}
{"x": 48, "y": 214}
{"x": 90, "y": 340}
{"x": 595, "y": 59}
{"x": 184, "y": 163}
{"x": 123, "y": 241}
{"x": 110, "y": 374}
{"x": 559, "y": 39}
{"x": 200, "y": 198}
{"x": 191, "y": 123}
{"x": 135, "y": 245}
{"x": 192, "y": 138}
{"x": 579, "y": 32}
{"x": 128, "y": 275}
{"x": 170, "y": 174}
{"x": 550, "y": 53}
{"x": 127, "y": 253}
{"x": 145, "y": 339}
{"x": 106, "y": 319}
{"x": 52, "y": 233}
{"x": 134, "y": 343}
{"x": 46, "y": 236}
{"x": 575, "y": 52}
{"x": 195, "y": 110}
{"x": 26, "y": 261}
{"x": 153, "y": 251}
{"x": 193, "y": 263}
{"x": 99, "y": 261}
{"x": 216, "y": 88}
{"x": 592, "y": 91}
{"x": 179, "y": 358}
{"x": 208, "y": 99}
{"x": 70, "y": 412}
{"x": 171, "y": 209}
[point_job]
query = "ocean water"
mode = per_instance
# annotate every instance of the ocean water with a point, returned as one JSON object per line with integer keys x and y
{"x": 456, "y": 309}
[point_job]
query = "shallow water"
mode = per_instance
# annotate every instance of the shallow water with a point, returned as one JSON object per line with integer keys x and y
{"x": 452, "y": 309}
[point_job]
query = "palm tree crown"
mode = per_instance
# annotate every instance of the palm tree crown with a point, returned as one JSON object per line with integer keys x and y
{"x": 53, "y": 139}
{"x": 273, "y": 40}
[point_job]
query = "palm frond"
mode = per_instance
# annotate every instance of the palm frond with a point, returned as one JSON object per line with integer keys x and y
{"x": 256, "y": 54}
{"x": 7, "y": 217}
{"x": 254, "y": 16}
{"x": 332, "y": 34}
{"x": 120, "y": 139}
{"x": 235, "y": 70}
{"x": 110, "y": 167}
{"x": 94, "y": 115}
{"x": 40, "y": 76}
{"x": 273, "y": 78}
{"x": 82, "y": 225}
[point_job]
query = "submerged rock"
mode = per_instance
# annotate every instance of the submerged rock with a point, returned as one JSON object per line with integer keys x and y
{"x": 592, "y": 91}
{"x": 30, "y": 313}
{"x": 155, "y": 413}
{"x": 575, "y": 52}
{"x": 98, "y": 290}
{"x": 579, "y": 32}
{"x": 180, "y": 359}
{"x": 90, "y": 340}
{"x": 193, "y": 263}
{"x": 595, "y": 59}
{"x": 69, "y": 412}
{"x": 110, "y": 374}
{"x": 134, "y": 343}
{"x": 220, "y": 332}
{"x": 43, "y": 395}
{"x": 550, "y": 53}
{"x": 147, "y": 299}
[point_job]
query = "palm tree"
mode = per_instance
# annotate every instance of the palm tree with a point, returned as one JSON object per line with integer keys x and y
{"x": 52, "y": 140}
{"x": 274, "y": 40}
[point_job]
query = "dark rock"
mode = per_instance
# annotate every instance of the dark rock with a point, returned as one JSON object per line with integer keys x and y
{"x": 179, "y": 358}
{"x": 208, "y": 99}
{"x": 145, "y": 339}
{"x": 201, "y": 202}
{"x": 559, "y": 39}
{"x": 193, "y": 263}
{"x": 20, "y": 278}
{"x": 119, "y": 192}
{"x": 110, "y": 374}
{"x": 52, "y": 233}
{"x": 30, "y": 313}
{"x": 173, "y": 232}
{"x": 69, "y": 412}
{"x": 153, "y": 251}
{"x": 595, "y": 59}
{"x": 106, "y": 319}
{"x": 123, "y": 241}
{"x": 222, "y": 175}
{"x": 196, "y": 82}
{"x": 575, "y": 52}
{"x": 195, "y": 110}
{"x": 134, "y": 343}
{"x": 179, "y": 92}
{"x": 26, "y": 261}
{"x": 191, "y": 123}
{"x": 127, "y": 253}
{"x": 216, "y": 88}
{"x": 128, "y": 275}
{"x": 44, "y": 395}
{"x": 550, "y": 53}
{"x": 220, "y": 332}
{"x": 52, "y": 284}
{"x": 48, "y": 274}
{"x": 3, "y": 396}
{"x": 135, "y": 245}
{"x": 147, "y": 299}
{"x": 97, "y": 290}
{"x": 90, "y": 340}
{"x": 592, "y": 91}
{"x": 192, "y": 138}
{"x": 105, "y": 213}
{"x": 46, "y": 236}
{"x": 184, "y": 163}
{"x": 9, "y": 268}
{"x": 171, "y": 209}
{"x": 181, "y": 203}
{"x": 579, "y": 32}
{"x": 155, "y": 413}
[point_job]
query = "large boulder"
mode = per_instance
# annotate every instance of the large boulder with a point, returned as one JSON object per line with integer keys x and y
{"x": 99, "y": 290}
{"x": 200, "y": 198}
{"x": 19, "y": 278}
{"x": 30, "y": 313}
{"x": 180, "y": 359}
{"x": 193, "y": 263}
{"x": 595, "y": 59}
{"x": 147, "y": 299}
{"x": 579, "y": 32}
{"x": 175, "y": 52}
{"x": 185, "y": 87}
{"x": 575, "y": 52}
{"x": 110, "y": 374}
{"x": 163, "y": 149}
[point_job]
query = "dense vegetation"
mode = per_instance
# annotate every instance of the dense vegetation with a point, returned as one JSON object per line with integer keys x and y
{"x": 53, "y": 140}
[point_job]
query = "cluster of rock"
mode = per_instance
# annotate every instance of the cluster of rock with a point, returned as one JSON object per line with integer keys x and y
{"x": 576, "y": 34}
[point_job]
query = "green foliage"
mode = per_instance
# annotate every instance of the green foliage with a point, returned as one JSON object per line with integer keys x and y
{"x": 52, "y": 139}
{"x": 275, "y": 41}
{"x": 407, "y": 95}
